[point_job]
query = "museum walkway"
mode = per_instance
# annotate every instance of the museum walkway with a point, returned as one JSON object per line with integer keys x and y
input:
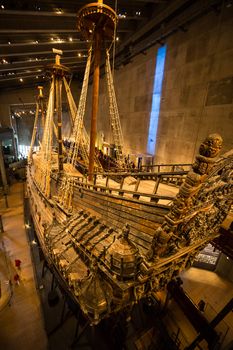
{"x": 21, "y": 320}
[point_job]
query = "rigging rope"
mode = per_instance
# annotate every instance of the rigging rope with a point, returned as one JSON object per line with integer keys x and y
{"x": 44, "y": 169}
{"x": 34, "y": 132}
{"x": 79, "y": 138}
{"x": 114, "y": 43}
{"x": 78, "y": 121}
{"x": 114, "y": 113}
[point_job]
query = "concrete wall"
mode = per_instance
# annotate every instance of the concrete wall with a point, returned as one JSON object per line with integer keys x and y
{"x": 197, "y": 92}
{"x": 198, "y": 88}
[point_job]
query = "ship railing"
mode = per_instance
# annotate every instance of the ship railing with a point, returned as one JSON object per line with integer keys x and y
{"x": 166, "y": 167}
{"x": 168, "y": 173}
{"x": 171, "y": 177}
{"x": 155, "y": 168}
{"x": 127, "y": 193}
{"x": 135, "y": 186}
{"x": 175, "y": 178}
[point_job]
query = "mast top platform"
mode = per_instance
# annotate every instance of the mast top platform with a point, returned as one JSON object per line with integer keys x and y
{"x": 58, "y": 69}
{"x": 97, "y": 16}
{"x": 40, "y": 96}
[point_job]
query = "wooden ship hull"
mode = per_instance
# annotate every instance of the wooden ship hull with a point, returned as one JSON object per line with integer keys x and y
{"x": 111, "y": 241}
{"x": 102, "y": 250}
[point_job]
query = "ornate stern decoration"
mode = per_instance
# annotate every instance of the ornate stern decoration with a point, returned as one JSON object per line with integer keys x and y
{"x": 201, "y": 205}
{"x": 95, "y": 295}
{"x": 123, "y": 257}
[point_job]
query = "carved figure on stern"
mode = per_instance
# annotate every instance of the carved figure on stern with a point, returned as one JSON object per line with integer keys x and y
{"x": 199, "y": 207}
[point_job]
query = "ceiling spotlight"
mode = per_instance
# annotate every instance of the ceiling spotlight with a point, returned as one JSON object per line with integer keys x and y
{"x": 2, "y": 7}
{"x": 70, "y": 39}
{"x": 21, "y": 80}
{"x": 9, "y": 43}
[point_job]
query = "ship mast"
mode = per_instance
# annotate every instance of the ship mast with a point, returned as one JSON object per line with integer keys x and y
{"x": 39, "y": 108}
{"x": 58, "y": 72}
{"x": 96, "y": 21}
{"x": 41, "y": 103}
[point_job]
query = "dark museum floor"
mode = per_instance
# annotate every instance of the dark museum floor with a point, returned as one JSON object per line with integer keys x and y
{"x": 24, "y": 323}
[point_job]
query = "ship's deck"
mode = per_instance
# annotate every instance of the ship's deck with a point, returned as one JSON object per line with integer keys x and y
{"x": 145, "y": 186}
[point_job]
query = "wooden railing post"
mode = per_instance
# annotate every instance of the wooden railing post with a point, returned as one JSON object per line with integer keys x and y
{"x": 107, "y": 179}
{"x": 122, "y": 182}
{"x": 137, "y": 184}
{"x": 156, "y": 185}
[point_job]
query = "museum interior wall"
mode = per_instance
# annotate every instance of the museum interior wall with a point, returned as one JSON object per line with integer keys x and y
{"x": 196, "y": 98}
{"x": 197, "y": 91}
{"x": 24, "y": 99}
{"x": 198, "y": 88}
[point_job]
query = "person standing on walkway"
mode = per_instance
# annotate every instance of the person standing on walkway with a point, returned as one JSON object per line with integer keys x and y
{"x": 18, "y": 264}
{"x": 17, "y": 279}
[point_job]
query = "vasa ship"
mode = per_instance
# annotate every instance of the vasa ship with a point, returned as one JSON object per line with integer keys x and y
{"x": 115, "y": 238}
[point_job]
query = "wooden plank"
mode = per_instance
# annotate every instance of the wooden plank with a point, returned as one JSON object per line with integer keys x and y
{"x": 140, "y": 222}
{"x": 147, "y": 207}
{"x": 137, "y": 214}
{"x": 151, "y": 207}
{"x": 113, "y": 219}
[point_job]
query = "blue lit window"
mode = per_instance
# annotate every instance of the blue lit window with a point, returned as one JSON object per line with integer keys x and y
{"x": 156, "y": 97}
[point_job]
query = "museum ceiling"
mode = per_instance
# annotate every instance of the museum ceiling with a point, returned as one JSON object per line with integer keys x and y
{"x": 30, "y": 29}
